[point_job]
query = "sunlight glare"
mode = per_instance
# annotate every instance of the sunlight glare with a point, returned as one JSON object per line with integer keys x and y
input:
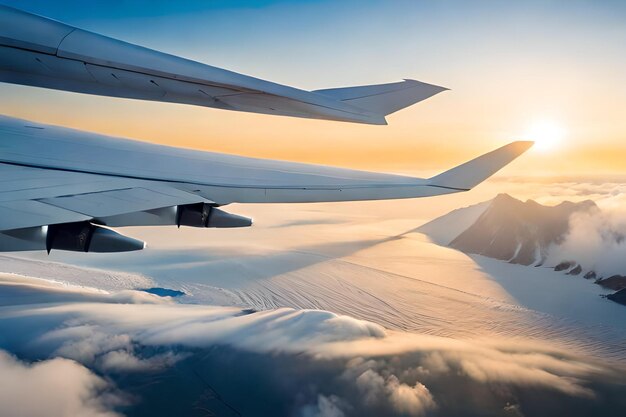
{"x": 547, "y": 135}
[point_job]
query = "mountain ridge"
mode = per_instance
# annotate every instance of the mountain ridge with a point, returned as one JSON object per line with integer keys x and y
{"x": 518, "y": 232}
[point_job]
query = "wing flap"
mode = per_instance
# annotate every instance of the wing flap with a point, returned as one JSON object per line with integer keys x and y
{"x": 32, "y": 197}
{"x": 29, "y": 213}
{"x": 116, "y": 202}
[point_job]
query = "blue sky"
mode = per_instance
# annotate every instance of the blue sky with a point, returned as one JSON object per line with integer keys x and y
{"x": 507, "y": 64}
{"x": 357, "y": 41}
{"x": 360, "y": 40}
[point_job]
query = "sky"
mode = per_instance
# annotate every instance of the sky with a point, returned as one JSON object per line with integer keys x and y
{"x": 511, "y": 66}
{"x": 358, "y": 313}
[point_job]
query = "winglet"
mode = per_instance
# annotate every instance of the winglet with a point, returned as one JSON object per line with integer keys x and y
{"x": 384, "y": 99}
{"x": 468, "y": 175}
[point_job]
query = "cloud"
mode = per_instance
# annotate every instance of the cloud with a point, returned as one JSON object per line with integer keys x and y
{"x": 94, "y": 329}
{"x": 413, "y": 401}
{"x": 123, "y": 360}
{"x": 305, "y": 362}
{"x": 553, "y": 191}
{"x": 596, "y": 239}
{"x": 55, "y": 387}
{"x": 325, "y": 407}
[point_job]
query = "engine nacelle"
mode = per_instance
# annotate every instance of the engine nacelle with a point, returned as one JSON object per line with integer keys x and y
{"x": 88, "y": 237}
{"x": 205, "y": 215}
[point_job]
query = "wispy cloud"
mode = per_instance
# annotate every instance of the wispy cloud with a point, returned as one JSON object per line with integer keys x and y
{"x": 342, "y": 366}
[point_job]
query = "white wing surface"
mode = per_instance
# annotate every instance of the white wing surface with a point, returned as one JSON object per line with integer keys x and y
{"x": 61, "y": 179}
{"x": 41, "y": 52}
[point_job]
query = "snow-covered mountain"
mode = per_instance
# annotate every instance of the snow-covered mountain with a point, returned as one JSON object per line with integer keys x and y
{"x": 518, "y": 232}
{"x": 506, "y": 228}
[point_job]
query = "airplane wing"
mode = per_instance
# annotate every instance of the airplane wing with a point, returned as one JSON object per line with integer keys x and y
{"x": 41, "y": 52}
{"x": 63, "y": 189}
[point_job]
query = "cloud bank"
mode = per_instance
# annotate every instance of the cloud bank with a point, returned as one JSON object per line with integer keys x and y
{"x": 597, "y": 239}
{"x": 170, "y": 359}
{"x": 55, "y": 387}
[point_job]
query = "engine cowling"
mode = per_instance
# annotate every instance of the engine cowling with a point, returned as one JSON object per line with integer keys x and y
{"x": 88, "y": 237}
{"x": 205, "y": 215}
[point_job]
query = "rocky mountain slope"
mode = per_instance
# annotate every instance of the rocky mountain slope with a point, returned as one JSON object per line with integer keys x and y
{"x": 515, "y": 231}
{"x": 518, "y": 232}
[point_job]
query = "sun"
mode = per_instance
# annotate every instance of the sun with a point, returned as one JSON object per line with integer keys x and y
{"x": 546, "y": 134}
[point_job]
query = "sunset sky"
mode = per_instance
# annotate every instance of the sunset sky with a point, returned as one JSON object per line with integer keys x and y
{"x": 342, "y": 309}
{"x": 515, "y": 70}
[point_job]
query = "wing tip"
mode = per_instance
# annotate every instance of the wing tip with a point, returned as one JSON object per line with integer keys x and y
{"x": 516, "y": 148}
{"x": 468, "y": 175}
{"x": 435, "y": 87}
{"x": 526, "y": 144}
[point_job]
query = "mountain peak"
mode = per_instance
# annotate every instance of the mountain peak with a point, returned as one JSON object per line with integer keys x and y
{"x": 510, "y": 229}
{"x": 505, "y": 200}
{"x": 504, "y": 197}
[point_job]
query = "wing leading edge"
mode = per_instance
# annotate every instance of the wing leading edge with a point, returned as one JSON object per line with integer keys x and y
{"x": 222, "y": 178}
{"x": 41, "y": 52}
{"x": 79, "y": 182}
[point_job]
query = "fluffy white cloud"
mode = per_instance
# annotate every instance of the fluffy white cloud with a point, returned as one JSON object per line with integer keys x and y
{"x": 96, "y": 329}
{"x": 56, "y": 387}
{"x": 413, "y": 401}
{"x": 387, "y": 371}
{"x": 596, "y": 239}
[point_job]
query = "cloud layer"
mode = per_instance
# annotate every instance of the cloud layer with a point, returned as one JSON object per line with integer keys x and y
{"x": 279, "y": 362}
{"x": 597, "y": 239}
{"x": 55, "y": 387}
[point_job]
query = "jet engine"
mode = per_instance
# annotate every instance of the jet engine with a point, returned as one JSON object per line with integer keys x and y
{"x": 205, "y": 215}
{"x": 88, "y": 237}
